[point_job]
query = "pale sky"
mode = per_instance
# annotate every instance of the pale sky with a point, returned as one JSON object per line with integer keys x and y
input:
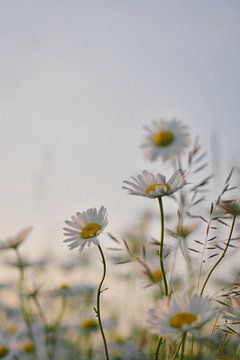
{"x": 80, "y": 79}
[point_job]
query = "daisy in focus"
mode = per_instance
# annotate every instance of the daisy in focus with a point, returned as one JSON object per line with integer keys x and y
{"x": 166, "y": 139}
{"x": 152, "y": 186}
{"x": 180, "y": 315}
{"x": 85, "y": 227}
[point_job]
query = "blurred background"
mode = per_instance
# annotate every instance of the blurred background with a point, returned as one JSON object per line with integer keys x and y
{"x": 80, "y": 79}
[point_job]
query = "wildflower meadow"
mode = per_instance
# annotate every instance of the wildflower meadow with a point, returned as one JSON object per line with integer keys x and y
{"x": 137, "y": 295}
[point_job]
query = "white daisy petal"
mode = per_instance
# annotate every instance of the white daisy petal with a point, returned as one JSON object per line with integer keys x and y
{"x": 72, "y": 224}
{"x": 136, "y": 187}
{"x": 177, "y": 179}
{"x": 230, "y": 206}
{"x": 180, "y": 314}
{"x": 16, "y": 241}
{"x": 166, "y": 139}
{"x": 71, "y": 238}
{"x": 154, "y": 186}
{"x": 85, "y": 227}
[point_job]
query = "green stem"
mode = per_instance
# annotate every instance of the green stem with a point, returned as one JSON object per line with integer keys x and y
{"x": 23, "y": 310}
{"x": 89, "y": 347}
{"x": 45, "y": 325}
{"x": 183, "y": 345}
{"x": 177, "y": 351}
{"x": 98, "y": 303}
{"x": 57, "y": 325}
{"x": 161, "y": 244}
{"x": 158, "y": 348}
{"x": 192, "y": 347}
{"x": 221, "y": 257}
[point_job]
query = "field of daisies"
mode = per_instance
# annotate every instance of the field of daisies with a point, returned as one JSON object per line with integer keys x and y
{"x": 139, "y": 297}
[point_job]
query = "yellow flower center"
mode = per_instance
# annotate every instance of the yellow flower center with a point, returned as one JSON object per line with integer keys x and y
{"x": 163, "y": 138}
{"x": 156, "y": 275}
{"x": 27, "y": 347}
{"x": 183, "y": 231}
{"x": 90, "y": 230}
{"x": 4, "y": 350}
{"x": 116, "y": 352}
{"x": 89, "y": 324}
{"x": 153, "y": 187}
{"x": 118, "y": 339}
{"x": 178, "y": 320}
{"x": 64, "y": 286}
{"x": 12, "y": 328}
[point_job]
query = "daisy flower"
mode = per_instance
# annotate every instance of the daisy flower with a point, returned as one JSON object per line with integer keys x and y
{"x": 152, "y": 186}
{"x": 89, "y": 325}
{"x": 167, "y": 249}
{"x": 15, "y": 241}
{"x": 166, "y": 139}
{"x": 182, "y": 231}
{"x": 230, "y": 206}
{"x": 232, "y": 312}
{"x": 4, "y": 350}
{"x": 180, "y": 315}
{"x": 72, "y": 290}
{"x": 85, "y": 227}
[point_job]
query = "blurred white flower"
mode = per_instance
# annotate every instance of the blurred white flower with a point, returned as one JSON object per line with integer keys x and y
{"x": 180, "y": 314}
{"x": 182, "y": 231}
{"x": 15, "y": 241}
{"x": 230, "y": 206}
{"x": 166, "y": 139}
{"x": 89, "y": 325}
{"x": 85, "y": 227}
{"x": 4, "y": 350}
{"x": 72, "y": 290}
{"x": 232, "y": 312}
{"x": 167, "y": 249}
{"x": 152, "y": 186}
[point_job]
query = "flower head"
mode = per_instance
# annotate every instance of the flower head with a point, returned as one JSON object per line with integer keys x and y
{"x": 27, "y": 347}
{"x": 89, "y": 325}
{"x": 85, "y": 227}
{"x": 72, "y": 290}
{"x": 15, "y": 241}
{"x": 166, "y": 139}
{"x": 180, "y": 315}
{"x": 232, "y": 312}
{"x": 154, "y": 276}
{"x": 182, "y": 231}
{"x": 152, "y": 186}
{"x": 230, "y": 206}
{"x": 4, "y": 350}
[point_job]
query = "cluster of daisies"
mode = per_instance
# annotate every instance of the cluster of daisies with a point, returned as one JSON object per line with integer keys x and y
{"x": 174, "y": 314}
{"x": 166, "y": 139}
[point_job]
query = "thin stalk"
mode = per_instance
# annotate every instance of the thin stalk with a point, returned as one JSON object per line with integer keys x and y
{"x": 237, "y": 356}
{"x": 89, "y": 347}
{"x": 221, "y": 257}
{"x": 45, "y": 325}
{"x": 172, "y": 267}
{"x": 213, "y": 329}
{"x": 158, "y": 348}
{"x": 202, "y": 257}
{"x": 57, "y": 325}
{"x": 98, "y": 303}
{"x": 192, "y": 346}
{"x": 22, "y": 305}
{"x": 177, "y": 351}
{"x": 183, "y": 345}
{"x": 161, "y": 244}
